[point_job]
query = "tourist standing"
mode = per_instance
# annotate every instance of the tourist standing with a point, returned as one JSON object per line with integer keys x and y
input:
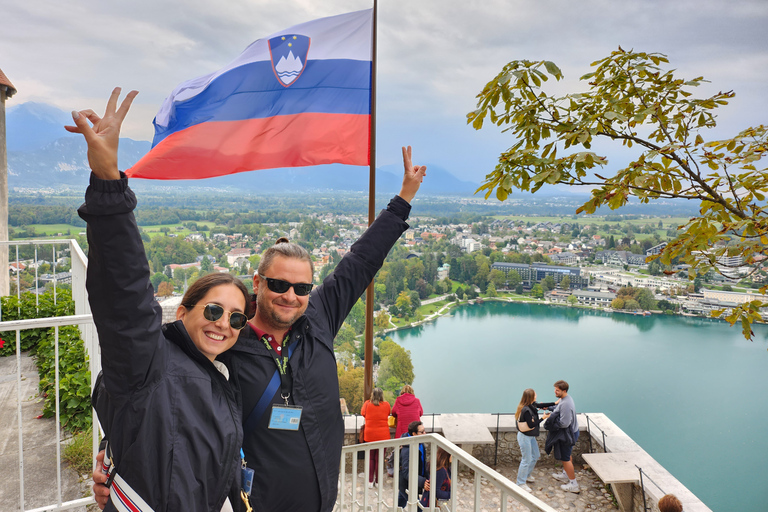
{"x": 407, "y": 408}
{"x": 563, "y": 432}
{"x": 375, "y": 411}
{"x": 528, "y": 428}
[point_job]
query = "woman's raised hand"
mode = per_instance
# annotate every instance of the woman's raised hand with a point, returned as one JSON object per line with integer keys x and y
{"x": 103, "y": 137}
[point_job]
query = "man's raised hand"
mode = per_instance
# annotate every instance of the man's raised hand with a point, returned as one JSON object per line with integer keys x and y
{"x": 103, "y": 137}
{"x": 413, "y": 176}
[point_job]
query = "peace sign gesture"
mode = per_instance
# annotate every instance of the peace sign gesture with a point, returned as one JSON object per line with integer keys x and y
{"x": 104, "y": 136}
{"x": 414, "y": 175}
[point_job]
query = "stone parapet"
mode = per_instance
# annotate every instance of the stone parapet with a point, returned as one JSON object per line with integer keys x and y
{"x": 612, "y": 455}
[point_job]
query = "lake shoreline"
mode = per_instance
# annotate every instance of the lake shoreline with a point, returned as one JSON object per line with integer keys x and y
{"x": 447, "y": 308}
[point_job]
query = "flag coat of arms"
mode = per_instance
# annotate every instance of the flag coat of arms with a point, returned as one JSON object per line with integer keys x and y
{"x": 300, "y": 97}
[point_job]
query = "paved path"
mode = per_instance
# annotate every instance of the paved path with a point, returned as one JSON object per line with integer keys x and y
{"x": 38, "y": 440}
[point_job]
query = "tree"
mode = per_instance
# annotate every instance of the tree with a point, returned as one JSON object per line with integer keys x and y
{"x": 381, "y": 321}
{"x": 165, "y": 289}
{"x": 490, "y": 291}
{"x": 645, "y": 298}
{"x": 633, "y": 101}
{"x": 345, "y": 335}
{"x": 537, "y": 291}
{"x": 572, "y": 300}
{"x": 356, "y": 317}
{"x": 403, "y": 304}
{"x": 514, "y": 279}
{"x": 497, "y": 278}
{"x": 565, "y": 283}
{"x": 617, "y": 303}
{"x": 548, "y": 283}
{"x": 396, "y": 367}
{"x": 352, "y": 387}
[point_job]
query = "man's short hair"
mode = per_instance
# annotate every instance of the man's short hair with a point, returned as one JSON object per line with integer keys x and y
{"x": 562, "y": 385}
{"x": 670, "y": 503}
{"x": 286, "y": 249}
{"x": 413, "y": 427}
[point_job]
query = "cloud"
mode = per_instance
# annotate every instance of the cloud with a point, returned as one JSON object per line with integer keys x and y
{"x": 434, "y": 55}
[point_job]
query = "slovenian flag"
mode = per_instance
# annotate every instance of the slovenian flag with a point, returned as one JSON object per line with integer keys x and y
{"x": 300, "y": 97}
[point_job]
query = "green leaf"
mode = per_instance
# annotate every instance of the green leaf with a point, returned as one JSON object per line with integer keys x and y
{"x": 553, "y": 70}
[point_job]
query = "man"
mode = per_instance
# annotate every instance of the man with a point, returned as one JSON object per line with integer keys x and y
{"x": 284, "y": 362}
{"x": 563, "y": 432}
{"x": 415, "y": 428}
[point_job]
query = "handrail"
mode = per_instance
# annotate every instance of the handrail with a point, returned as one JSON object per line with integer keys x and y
{"x": 348, "y": 499}
{"x": 496, "y": 447}
{"x": 589, "y": 435}
{"x": 642, "y": 486}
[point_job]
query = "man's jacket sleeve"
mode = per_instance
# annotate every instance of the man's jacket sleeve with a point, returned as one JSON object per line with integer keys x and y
{"x": 341, "y": 290}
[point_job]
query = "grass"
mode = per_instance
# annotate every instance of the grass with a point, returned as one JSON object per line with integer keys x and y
{"x": 56, "y": 229}
{"x": 77, "y": 453}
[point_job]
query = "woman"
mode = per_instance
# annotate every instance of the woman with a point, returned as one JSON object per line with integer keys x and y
{"x": 407, "y": 408}
{"x": 442, "y": 478}
{"x": 375, "y": 411}
{"x": 528, "y": 422}
{"x": 171, "y": 416}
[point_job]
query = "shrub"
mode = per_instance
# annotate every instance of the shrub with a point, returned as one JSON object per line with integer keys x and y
{"x": 26, "y": 308}
{"x": 74, "y": 377}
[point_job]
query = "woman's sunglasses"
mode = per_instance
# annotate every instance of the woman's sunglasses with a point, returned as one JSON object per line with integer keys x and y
{"x": 280, "y": 286}
{"x": 213, "y": 312}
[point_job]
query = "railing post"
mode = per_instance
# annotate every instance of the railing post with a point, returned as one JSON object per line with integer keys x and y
{"x": 642, "y": 488}
{"x": 496, "y": 450}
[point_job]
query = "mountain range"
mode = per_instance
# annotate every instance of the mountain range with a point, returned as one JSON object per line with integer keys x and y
{"x": 41, "y": 155}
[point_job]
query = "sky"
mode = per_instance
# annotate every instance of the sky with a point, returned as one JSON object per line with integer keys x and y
{"x": 434, "y": 56}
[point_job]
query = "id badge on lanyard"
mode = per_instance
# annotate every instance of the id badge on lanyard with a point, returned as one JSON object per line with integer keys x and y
{"x": 285, "y": 417}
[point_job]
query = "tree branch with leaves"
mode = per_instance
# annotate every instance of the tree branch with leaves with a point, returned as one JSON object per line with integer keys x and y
{"x": 631, "y": 99}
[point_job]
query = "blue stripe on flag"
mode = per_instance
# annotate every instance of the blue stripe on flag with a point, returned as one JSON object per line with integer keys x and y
{"x": 253, "y": 92}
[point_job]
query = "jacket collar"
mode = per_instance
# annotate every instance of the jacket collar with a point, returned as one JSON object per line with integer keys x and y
{"x": 177, "y": 333}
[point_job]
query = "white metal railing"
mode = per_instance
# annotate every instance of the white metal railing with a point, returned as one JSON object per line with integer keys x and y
{"x": 351, "y": 498}
{"x": 82, "y": 318}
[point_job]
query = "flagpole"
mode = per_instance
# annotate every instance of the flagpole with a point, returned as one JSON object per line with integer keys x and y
{"x": 368, "y": 372}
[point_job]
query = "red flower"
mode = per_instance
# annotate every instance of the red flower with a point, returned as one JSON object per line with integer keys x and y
{"x": 2, "y": 342}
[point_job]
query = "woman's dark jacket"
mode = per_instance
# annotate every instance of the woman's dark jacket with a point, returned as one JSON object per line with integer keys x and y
{"x": 442, "y": 488}
{"x": 172, "y": 419}
{"x": 300, "y": 470}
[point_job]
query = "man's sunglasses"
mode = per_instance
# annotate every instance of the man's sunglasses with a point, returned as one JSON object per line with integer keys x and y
{"x": 280, "y": 286}
{"x": 213, "y": 312}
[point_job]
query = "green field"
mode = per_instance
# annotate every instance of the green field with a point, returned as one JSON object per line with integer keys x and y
{"x": 177, "y": 229}
{"x": 56, "y": 230}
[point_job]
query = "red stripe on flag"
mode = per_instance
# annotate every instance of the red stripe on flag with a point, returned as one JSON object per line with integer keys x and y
{"x": 228, "y": 147}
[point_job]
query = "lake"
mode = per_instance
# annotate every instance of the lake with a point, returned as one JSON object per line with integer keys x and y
{"x": 690, "y": 391}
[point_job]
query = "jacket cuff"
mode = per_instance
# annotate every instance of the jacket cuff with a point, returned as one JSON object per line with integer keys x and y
{"x": 400, "y": 207}
{"x": 108, "y": 197}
